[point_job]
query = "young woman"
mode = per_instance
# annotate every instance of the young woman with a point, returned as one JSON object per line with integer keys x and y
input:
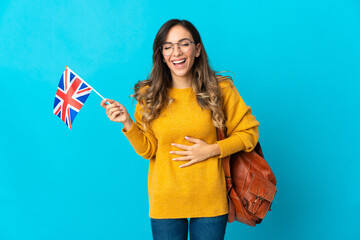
{"x": 178, "y": 109}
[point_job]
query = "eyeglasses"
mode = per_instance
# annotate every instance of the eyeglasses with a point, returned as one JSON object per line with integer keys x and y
{"x": 168, "y": 48}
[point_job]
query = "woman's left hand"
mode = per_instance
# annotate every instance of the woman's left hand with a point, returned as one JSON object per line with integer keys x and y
{"x": 195, "y": 153}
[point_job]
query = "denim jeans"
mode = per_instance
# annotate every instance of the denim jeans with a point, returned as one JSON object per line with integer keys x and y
{"x": 204, "y": 228}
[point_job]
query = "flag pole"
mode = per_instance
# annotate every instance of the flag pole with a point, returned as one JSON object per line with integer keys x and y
{"x": 88, "y": 84}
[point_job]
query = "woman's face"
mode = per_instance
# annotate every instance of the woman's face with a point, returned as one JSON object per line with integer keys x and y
{"x": 177, "y": 68}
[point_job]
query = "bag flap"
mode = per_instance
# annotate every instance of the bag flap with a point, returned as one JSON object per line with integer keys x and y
{"x": 262, "y": 187}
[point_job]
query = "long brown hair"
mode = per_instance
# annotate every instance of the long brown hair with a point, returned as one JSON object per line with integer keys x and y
{"x": 154, "y": 97}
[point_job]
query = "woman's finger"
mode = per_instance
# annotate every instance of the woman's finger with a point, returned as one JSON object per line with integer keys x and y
{"x": 108, "y": 112}
{"x": 111, "y": 105}
{"x": 111, "y": 110}
{"x": 115, "y": 115}
{"x": 103, "y": 103}
{"x": 185, "y": 153}
{"x": 193, "y": 140}
{"x": 114, "y": 112}
{"x": 187, "y": 164}
{"x": 187, "y": 158}
{"x": 185, "y": 147}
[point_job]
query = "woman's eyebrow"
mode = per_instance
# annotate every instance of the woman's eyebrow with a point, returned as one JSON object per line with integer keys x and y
{"x": 179, "y": 40}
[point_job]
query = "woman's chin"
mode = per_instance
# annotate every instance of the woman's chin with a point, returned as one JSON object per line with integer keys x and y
{"x": 180, "y": 72}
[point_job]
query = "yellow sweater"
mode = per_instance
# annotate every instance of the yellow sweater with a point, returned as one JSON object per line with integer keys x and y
{"x": 198, "y": 190}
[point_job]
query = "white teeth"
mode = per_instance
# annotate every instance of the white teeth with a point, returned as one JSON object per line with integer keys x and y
{"x": 181, "y": 61}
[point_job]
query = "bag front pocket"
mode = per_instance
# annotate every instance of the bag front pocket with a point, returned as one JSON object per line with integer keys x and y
{"x": 259, "y": 195}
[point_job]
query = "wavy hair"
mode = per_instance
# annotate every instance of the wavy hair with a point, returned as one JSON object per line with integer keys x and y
{"x": 154, "y": 97}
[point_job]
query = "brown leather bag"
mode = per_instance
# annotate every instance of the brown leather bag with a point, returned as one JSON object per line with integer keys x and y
{"x": 250, "y": 185}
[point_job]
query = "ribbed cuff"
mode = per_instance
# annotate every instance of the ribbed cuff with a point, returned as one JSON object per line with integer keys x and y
{"x": 132, "y": 132}
{"x": 230, "y": 145}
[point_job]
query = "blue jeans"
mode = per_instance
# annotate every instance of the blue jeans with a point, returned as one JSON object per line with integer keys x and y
{"x": 205, "y": 228}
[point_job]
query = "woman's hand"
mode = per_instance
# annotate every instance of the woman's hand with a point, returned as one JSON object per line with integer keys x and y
{"x": 117, "y": 113}
{"x": 198, "y": 152}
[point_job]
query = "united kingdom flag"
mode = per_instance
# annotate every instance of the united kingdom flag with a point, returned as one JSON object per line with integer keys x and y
{"x": 71, "y": 95}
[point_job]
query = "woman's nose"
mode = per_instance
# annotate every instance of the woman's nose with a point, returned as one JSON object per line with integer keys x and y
{"x": 176, "y": 50}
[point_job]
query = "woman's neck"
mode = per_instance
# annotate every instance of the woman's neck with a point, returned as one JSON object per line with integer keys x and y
{"x": 181, "y": 82}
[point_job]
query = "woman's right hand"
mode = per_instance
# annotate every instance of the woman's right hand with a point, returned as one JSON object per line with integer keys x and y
{"x": 117, "y": 113}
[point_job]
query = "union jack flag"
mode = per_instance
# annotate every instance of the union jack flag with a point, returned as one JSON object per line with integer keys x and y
{"x": 71, "y": 95}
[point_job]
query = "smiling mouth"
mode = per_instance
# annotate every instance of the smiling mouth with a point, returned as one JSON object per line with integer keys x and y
{"x": 180, "y": 62}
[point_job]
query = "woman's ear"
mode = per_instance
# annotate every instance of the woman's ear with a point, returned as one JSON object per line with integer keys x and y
{"x": 198, "y": 50}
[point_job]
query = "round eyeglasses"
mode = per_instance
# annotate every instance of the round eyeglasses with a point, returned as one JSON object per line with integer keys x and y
{"x": 184, "y": 45}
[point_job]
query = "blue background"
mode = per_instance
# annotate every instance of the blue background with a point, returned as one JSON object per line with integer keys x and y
{"x": 296, "y": 63}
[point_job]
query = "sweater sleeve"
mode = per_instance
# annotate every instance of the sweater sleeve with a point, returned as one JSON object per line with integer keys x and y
{"x": 242, "y": 127}
{"x": 143, "y": 142}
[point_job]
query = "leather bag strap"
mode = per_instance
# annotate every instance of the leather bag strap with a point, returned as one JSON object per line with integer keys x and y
{"x": 226, "y": 164}
{"x": 226, "y": 160}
